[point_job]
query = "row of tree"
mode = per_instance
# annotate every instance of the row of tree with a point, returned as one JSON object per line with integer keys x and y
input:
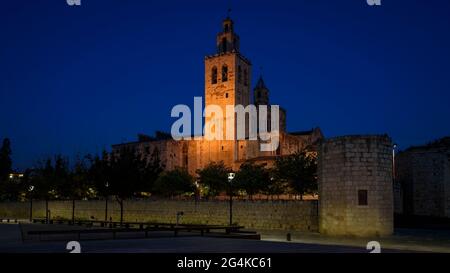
{"x": 128, "y": 175}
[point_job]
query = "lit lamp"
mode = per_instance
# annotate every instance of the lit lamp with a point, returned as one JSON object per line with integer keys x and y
{"x": 197, "y": 190}
{"x": 30, "y": 190}
{"x": 230, "y": 180}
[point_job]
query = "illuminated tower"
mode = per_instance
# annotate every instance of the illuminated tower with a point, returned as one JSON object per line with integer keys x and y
{"x": 227, "y": 79}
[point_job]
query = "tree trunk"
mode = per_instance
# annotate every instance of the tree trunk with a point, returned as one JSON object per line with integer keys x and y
{"x": 120, "y": 201}
{"x": 121, "y": 212}
{"x": 46, "y": 211}
{"x": 73, "y": 211}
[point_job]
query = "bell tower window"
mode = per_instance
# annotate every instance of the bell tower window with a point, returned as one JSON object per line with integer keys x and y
{"x": 224, "y": 45}
{"x": 224, "y": 73}
{"x": 214, "y": 75}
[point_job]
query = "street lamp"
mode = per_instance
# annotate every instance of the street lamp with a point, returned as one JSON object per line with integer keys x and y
{"x": 230, "y": 180}
{"x": 106, "y": 202}
{"x": 30, "y": 189}
{"x": 394, "y": 147}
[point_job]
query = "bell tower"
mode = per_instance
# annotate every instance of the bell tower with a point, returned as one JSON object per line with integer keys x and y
{"x": 227, "y": 40}
{"x": 227, "y": 82}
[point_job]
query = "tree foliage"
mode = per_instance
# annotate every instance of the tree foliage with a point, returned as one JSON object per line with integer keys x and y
{"x": 298, "y": 171}
{"x": 5, "y": 160}
{"x": 252, "y": 178}
{"x": 174, "y": 182}
{"x": 214, "y": 178}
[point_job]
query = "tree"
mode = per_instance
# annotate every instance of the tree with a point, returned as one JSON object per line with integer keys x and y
{"x": 5, "y": 160}
{"x": 74, "y": 183}
{"x": 214, "y": 177}
{"x": 252, "y": 178}
{"x": 125, "y": 175}
{"x": 275, "y": 186}
{"x": 99, "y": 173}
{"x": 174, "y": 182}
{"x": 150, "y": 172}
{"x": 299, "y": 171}
{"x": 42, "y": 178}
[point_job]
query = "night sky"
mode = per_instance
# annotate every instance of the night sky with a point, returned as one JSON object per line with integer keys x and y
{"x": 75, "y": 80}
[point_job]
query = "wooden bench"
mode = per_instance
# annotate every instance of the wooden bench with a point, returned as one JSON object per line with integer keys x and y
{"x": 8, "y": 220}
{"x": 78, "y": 232}
{"x": 157, "y": 227}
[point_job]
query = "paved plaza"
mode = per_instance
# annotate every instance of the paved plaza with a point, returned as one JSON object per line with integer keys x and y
{"x": 272, "y": 242}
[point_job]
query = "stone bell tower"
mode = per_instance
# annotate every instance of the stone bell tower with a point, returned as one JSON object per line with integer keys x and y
{"x": 227, "y": 82}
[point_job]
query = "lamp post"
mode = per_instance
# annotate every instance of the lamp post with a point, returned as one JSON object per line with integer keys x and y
{"x": 230, "y": 180}
{"x": 30, "y": 189}
{"x": 106, "y": 202}
{"x": 393, "y": 162}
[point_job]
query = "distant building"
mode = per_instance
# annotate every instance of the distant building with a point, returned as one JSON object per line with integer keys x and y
{"x": 227, "y": 82}
{"x": 423, "y": 173}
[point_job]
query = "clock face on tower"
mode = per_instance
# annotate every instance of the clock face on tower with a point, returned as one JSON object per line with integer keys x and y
{"x": 218, "y": 90}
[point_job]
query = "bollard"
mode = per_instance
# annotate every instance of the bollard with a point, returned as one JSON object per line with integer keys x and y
{"x": 179, "y": 214}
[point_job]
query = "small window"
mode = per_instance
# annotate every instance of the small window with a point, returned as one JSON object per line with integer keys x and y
{"x": 214, "y": 75}
{"x": 222, "y": 148}
{"x": 226, "y": 95}
{"x": 224, "y": 44}
{"x": 362, "y": 197}
{"x": 224, "y": 73}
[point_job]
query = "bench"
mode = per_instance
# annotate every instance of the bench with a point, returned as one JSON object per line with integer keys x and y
{"x": 156, "y": 227}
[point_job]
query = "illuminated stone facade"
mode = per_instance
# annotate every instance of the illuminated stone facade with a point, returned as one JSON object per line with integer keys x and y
{"x": 227, "y": 82}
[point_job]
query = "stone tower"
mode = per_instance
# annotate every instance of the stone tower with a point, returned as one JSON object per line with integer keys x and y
{"x": 355, "y": 186}
{"x": 261, "y": 97}
{"x": 261, "y": 93}
{"x": 227, "y": 82}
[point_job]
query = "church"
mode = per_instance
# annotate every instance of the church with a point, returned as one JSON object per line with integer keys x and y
{"x": 227, "y": 82}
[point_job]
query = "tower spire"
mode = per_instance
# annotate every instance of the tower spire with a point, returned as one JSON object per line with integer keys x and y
{"x": 227, "y": 39}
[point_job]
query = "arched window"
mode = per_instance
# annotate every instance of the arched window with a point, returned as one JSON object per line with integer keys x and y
{"x": 245, "y": 77}
{"x": 214, "y": 75}
{"x": 239, "y": 74}
{"x": 224, "y": 73}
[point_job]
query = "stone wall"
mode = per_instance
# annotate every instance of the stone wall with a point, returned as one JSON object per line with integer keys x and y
{"x": 424, "y": 173}
{"x": 277, "y": 215}
{"x": 355, "y": 186}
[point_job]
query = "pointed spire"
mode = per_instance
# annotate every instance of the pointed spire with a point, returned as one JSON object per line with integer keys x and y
{"x": 260, "y": 84}
{"x": 228, "y": 13}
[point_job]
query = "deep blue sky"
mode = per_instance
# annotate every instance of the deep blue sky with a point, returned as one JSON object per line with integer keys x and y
{"x": 78, "y": 79}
